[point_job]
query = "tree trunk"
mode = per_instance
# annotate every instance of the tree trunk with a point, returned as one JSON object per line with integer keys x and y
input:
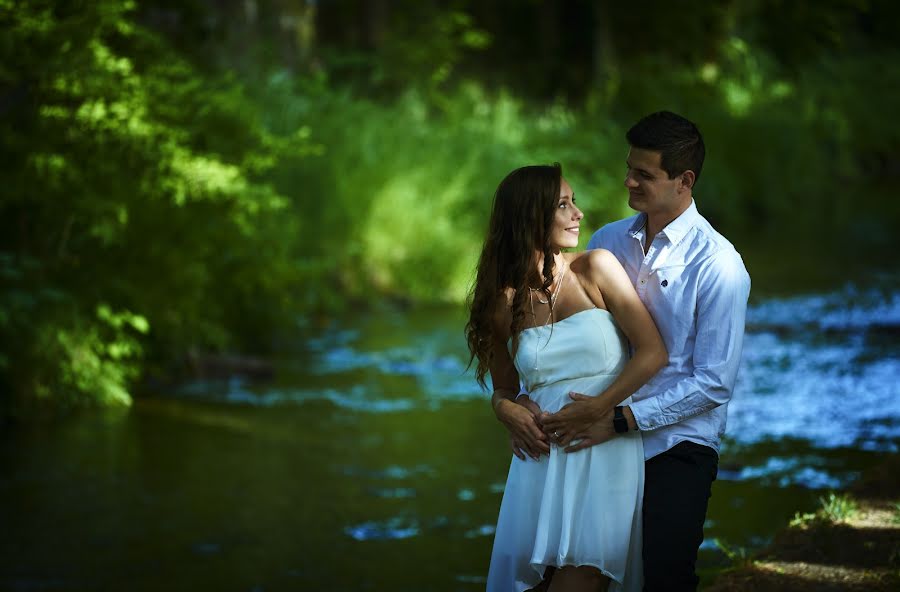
{"x": 297, "y": 22}
{"x": 376, "y": 25}
{"x": 605, "y": 71}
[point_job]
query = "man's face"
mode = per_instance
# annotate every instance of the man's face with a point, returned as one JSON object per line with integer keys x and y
{"x": 650, "y": 190}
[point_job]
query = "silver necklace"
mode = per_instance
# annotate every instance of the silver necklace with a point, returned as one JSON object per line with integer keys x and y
{"x": 538, "y": 290}
{"x": 551, "y": 302}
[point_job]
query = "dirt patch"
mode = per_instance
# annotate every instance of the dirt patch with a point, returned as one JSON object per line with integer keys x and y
{"x": 828, "y": 553}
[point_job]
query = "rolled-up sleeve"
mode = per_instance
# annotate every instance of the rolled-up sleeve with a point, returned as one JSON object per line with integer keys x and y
{"x": 722, "y": 293}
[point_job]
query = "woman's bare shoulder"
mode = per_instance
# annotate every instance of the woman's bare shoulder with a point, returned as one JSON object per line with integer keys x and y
{"x": 595, "y": 263}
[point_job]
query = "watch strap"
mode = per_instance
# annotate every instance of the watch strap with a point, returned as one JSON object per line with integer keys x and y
{"x": 620, "y": 424}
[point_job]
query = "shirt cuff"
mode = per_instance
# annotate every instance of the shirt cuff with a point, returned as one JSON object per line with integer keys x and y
{"x": 644, "y": 412}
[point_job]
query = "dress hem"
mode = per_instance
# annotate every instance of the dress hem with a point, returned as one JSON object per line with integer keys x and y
{"x": 561, "y": 564}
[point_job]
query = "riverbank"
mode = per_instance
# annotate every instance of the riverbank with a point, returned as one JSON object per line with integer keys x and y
{"x": 852, "y": 542}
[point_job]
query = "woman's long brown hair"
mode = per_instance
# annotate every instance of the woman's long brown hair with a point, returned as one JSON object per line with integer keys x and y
{"x": 523, "y": 211}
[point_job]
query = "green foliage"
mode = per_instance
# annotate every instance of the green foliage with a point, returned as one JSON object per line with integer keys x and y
{"x": 738, "y": 556}
{"x": 134, "y": 180}
{"x": 787, "y": 153}
{"x": 428, "y": 48}
{"x": 838, "y": 507}
{"x": 834, "y": 508}
{"x": 399, "y": 200}
{"x": 95, "y": 360}
{"x": 160, "y": 200}
{"x": 802, "y": 520}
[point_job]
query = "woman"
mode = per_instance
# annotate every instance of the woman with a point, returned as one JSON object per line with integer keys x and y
{"x": 554, "y": 322}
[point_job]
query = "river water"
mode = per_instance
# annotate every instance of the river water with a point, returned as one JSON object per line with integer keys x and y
{"x": 373, "y": 462}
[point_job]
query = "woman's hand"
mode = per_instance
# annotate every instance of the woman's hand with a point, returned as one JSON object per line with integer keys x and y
{"x": 574, "y": 421}
{"x": 521, "y": 418}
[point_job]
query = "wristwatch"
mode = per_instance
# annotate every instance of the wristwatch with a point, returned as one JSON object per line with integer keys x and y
{"x": 620, "y": 424}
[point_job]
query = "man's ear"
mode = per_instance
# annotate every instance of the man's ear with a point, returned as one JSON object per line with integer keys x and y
{"x": 687, "y": 179}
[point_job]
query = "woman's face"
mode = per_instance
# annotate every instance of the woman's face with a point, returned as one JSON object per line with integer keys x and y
{"x": 564, "y": 232}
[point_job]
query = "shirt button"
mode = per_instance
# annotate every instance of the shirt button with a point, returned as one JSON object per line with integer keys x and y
{"x": 643, "y": 281}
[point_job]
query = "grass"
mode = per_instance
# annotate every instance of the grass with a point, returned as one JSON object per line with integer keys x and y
{"x": 738, "y": 556}
{"x": 848, "y": 543}
{"x": 834, "y": 509}
{"x": 838, "y": 508}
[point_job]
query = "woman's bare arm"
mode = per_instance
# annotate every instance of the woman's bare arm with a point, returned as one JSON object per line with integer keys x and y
{"x": 574, "y": 421}
{"x": 520, "y": 420}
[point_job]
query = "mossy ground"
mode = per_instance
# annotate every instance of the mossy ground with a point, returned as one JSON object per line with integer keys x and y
{"x": 857, "y": 552}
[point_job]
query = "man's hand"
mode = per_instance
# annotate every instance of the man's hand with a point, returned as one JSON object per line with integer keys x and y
{"x": 521, "y": 418}
{"x": 572, "y": 421}
{"x": 602, "y": 431}
{"x": 579, "y": 420}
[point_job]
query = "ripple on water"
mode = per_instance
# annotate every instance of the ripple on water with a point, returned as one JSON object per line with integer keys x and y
{"x": 848, "y": 309}
{"x": 206, "y": 548}
{"x": 834, "y": 390}
{"x": 393, "y": 528}
{"x": 806, "y": 472}
{"x": 392, "y": 492}
{"x": 389, "y": 472}
{"x": 396, "y": 527}
{"x": 465, "y": 495}
{"x": 799, "y": 378}
{"x": 471, "y": 579}
{"x": 402, "y": 361}
{"x": 438, "y": 376}
{"x": 235, "y": 392}
{"x": 481, "y": 531}
{"x": 331, "y": 338}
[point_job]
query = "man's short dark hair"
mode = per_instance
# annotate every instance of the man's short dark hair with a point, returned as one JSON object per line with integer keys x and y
{"x": 675, "y": 137}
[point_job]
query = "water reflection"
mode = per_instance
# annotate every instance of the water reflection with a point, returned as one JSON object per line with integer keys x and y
{"x": 850, "y": 309}
{"x": 807, "y": 471}
{"x": 822, "y": 368}
{"x": 375, "y": 443}
{"x": 394, "y": 528}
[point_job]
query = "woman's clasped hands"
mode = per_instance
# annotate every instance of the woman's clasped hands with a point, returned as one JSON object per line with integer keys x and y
{"x": 522, "y": 419}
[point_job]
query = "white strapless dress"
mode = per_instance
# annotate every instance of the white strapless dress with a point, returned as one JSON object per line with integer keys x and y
{"x": 579, "y": 508}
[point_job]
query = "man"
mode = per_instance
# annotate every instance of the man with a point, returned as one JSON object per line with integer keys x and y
{"x": 695, "y": 286}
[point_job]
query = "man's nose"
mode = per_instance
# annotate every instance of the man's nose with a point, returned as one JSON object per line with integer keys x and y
{"x": 630, "y": 181}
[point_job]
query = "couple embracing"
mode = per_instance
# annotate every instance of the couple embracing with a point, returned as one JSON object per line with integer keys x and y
{"x": 611, "y": 369}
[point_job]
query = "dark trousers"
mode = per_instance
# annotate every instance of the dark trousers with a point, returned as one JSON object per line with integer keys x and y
{"x": 677, "y": 487}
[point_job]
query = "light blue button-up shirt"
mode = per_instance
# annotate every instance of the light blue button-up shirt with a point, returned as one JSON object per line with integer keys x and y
{"x": 695, "y": 286}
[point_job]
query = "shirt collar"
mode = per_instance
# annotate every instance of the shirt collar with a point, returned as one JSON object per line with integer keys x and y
{"x": 640, "y": 221}
{"x": 680, "y": 226}
{"x": 675, "y": 230}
